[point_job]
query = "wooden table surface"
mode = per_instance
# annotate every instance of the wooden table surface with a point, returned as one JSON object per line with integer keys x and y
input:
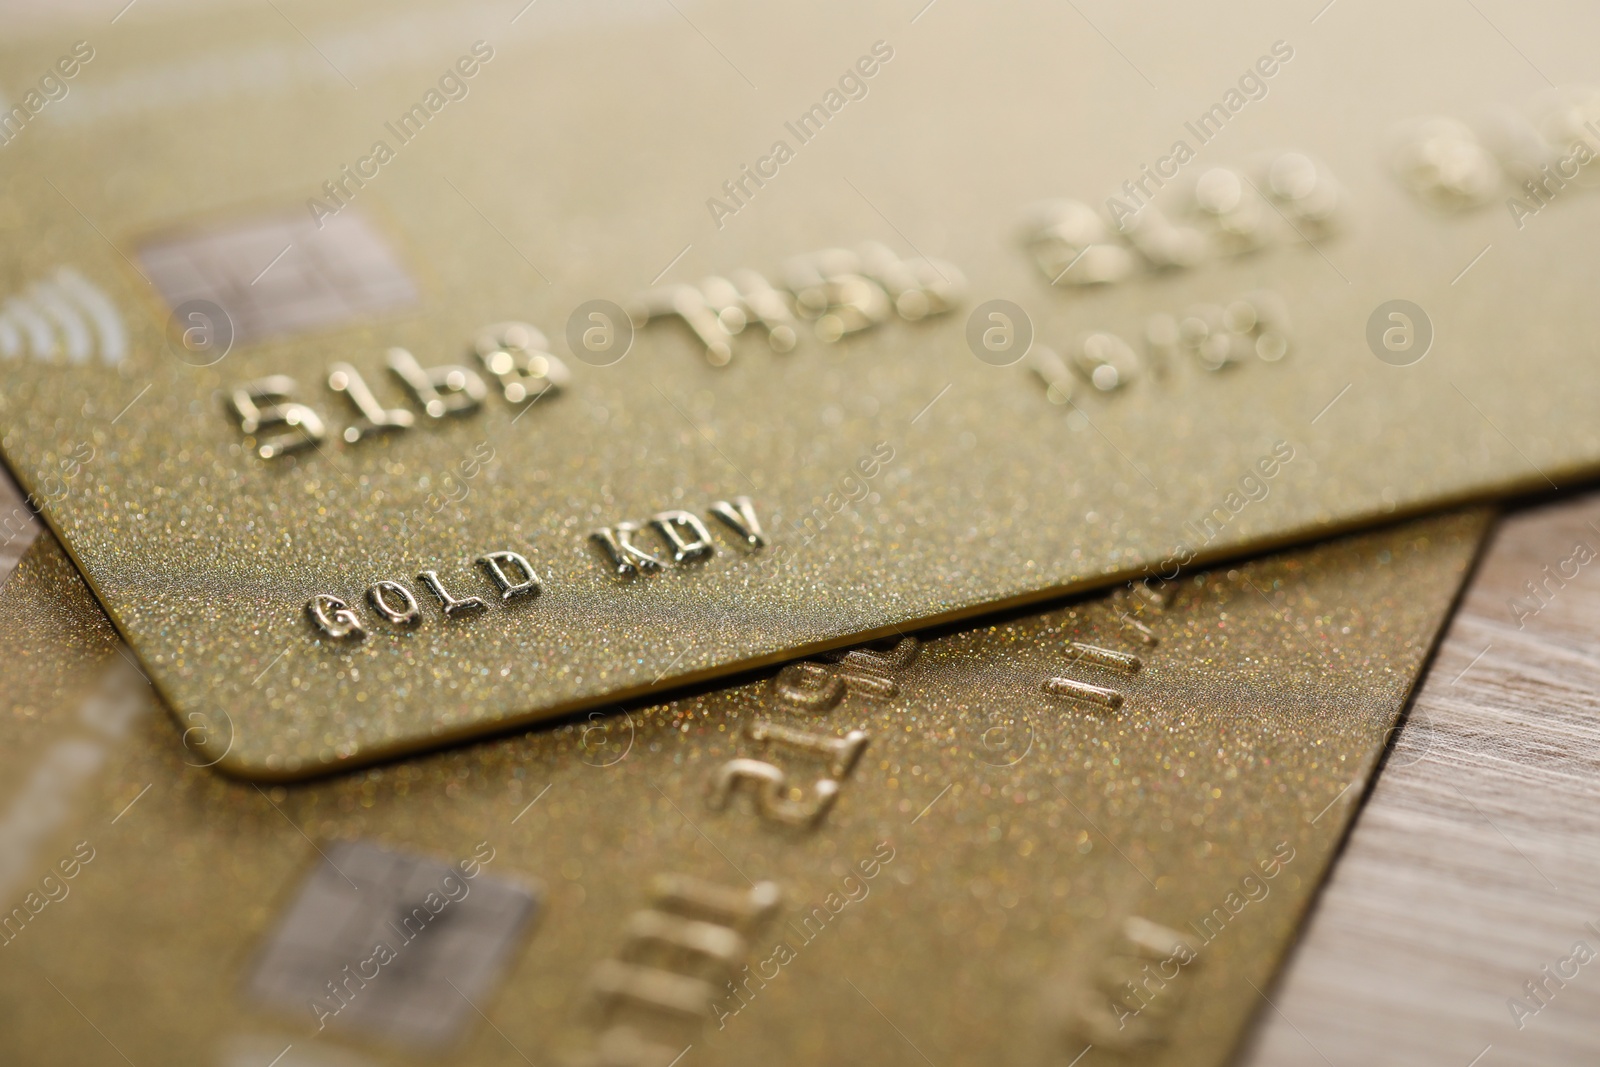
{"x": 1475, "y": 862}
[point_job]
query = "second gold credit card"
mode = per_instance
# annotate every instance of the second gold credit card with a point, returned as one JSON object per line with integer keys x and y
{"x": 1096, "y": 827}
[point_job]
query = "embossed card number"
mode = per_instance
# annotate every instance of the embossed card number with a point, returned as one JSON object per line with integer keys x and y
{"x": 516, "y": 355}
{"x": 843, "y": 291}
{"x": 816, "y": 689}
{"x": 653, "y": 992}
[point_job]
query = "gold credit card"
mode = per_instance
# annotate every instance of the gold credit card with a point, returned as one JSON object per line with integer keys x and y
{"x": 397, "y": 373}
{"x": 1094, "y": 828}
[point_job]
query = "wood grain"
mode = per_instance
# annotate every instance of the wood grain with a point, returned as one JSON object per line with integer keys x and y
{"x": 1476, "y": 860}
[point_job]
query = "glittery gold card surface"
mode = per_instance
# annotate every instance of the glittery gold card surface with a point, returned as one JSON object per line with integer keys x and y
{"x": 1096, "y": 826}
{"x": 400, "y": 373}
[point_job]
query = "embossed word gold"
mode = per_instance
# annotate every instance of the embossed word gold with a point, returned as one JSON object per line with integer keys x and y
{"x": 510, "y": 573}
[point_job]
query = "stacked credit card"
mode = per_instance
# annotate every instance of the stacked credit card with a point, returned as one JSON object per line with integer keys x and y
{"x": 654, "y": 533}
